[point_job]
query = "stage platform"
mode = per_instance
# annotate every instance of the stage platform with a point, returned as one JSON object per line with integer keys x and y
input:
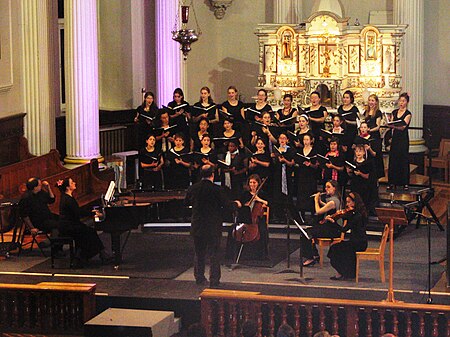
{"x": 157, "y": 273}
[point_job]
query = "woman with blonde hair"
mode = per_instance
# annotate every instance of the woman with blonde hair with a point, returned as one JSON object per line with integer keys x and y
{"x": 373, "y": 116}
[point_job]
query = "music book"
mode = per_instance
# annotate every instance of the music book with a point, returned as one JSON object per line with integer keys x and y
{"x": 328, "y": 134}
{"x": 224, "y": 164}
{"x": 305, "y": 234}
{"x": 146, "y": 117}
{"x": 292, "y": 136}
{"x": 397, "y": 122}
{"x": 301, "y": 158}
{"x": 322, "y": 159}
{"x": 346, "y": 114}
{"x": 360, "y": 140}
{"x": 350, "y": 165}
{"x": 154, "y": 159}
{"x": 253, "y": 110}
{"x": 286, "y": 119}
{"x": 223, "y": 139}
{"x": 175, "y": 108}
{"x": 202, "y": 108}
{"x": 167, "y": 128}
{"x": 226, "y": 114}
{"x": 198, "y": 156}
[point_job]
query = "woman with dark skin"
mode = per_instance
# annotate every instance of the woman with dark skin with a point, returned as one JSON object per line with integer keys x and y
{"x": 87, "y": 242}
{"x": 343, "y": 254}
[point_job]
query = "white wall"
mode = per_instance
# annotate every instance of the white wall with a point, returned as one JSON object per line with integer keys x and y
{"x": 11, "y": 101}
{"x": 437, "y": 53}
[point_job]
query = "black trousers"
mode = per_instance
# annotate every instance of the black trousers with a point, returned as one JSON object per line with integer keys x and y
{"x": 204, "y": 246}
{"x": 326, "y": 230}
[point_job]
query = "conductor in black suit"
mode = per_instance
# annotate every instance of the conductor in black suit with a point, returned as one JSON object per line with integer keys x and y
{"x": 209, "y": 203}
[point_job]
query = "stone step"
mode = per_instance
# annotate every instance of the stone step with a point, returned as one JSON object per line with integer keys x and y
{"x": 120, "y": 322}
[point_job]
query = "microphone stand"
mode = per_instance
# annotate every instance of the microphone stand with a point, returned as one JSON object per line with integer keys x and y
{"x": 429, "y": 221}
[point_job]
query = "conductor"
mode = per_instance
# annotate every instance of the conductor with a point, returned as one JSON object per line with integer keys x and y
{"x": 208, "y": 203}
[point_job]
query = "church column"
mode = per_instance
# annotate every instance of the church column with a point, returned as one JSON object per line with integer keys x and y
{"x": 168, "y": 56}
{"x": 81, "y": 56}
{"x": 138, "y": 49}
{"x": 411, "y": 12}
{"x": 41, "y": 80}
{"x": 287, "y": 11}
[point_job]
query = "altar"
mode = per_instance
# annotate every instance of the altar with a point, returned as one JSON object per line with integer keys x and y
{"x": 328, "y": 55}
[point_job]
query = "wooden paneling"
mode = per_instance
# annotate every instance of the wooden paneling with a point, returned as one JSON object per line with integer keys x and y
{"x": 11, "y": 135}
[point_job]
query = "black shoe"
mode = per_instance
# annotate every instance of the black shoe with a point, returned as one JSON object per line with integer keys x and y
{"x": 214, "y": 285}
{"x": 336, "y": 278}
{"x": 201, "y": 282}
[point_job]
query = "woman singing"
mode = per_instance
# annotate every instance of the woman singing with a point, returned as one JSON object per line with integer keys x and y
{"x": 326, "y": 229}
{"x": 87, "y": 242}
{"x": 398, "y": 171}
{"x": 151, "y": 162}
{"x": 287, "y": 113}
{"x": 260, "y": 162}
{"x": 203, "y": 129}
{"x": 206, "y": 155}
{"x": 179, "y": 112}
{"x": 334, "y": 169}
{"x": 303, "y": 128}
{"x": 227, "y": 133}
{"x": 176, "y": 173}
{"x": 349, "y": 112}
{"x": 317, "y": 115}
{"x": 233, "y": 108}
{"x": 372, "y": 116}
{"x": 204, "y": 108}
{"x": 306, "y": 175}
{"x": 233, "y": 176}
{"x": 146, "y": 115}
{"x": 343, "y": 254}
{"x": 255, "y": 112}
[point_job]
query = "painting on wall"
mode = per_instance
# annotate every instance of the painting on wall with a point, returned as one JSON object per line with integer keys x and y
{"x": 302, "y": 57}
{"x": 327, "y": 61}
{"x": 287, "y": 39}
{"x": 270, "y": 58}
{"x": 354, "y": 59}
{"x": 371, "y": 46}
{"x": 389, "y": 60}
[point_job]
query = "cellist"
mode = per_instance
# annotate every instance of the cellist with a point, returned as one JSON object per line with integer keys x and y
{"x": 251, "y": 206}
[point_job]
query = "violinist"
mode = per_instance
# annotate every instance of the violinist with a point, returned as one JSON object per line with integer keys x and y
{"x": 252, "y": 204}
{"x": 343, "y": 254}
{"x": 324, "y": 228}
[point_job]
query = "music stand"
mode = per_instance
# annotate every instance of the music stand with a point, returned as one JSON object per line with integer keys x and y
{"x": 391, "y": 216}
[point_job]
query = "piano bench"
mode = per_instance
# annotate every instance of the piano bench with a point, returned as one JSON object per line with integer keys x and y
{"x": 60, "y": 241}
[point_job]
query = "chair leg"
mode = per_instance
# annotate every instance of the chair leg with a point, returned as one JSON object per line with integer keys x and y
{"x": 357, "y": 269}
{"x": 321, "y": 255}
{"x": 383, "y": 278}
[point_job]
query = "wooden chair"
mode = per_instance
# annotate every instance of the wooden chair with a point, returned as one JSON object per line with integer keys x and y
{"x": 442, "y": 161}
{"x": 326, "y": 242}
{"x": 374, "y": 254}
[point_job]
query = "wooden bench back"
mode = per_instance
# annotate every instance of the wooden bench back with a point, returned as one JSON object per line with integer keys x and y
{"x": 13, "y": 176}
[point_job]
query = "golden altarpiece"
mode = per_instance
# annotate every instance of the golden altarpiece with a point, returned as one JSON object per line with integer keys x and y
{"x": 329, "y": 55}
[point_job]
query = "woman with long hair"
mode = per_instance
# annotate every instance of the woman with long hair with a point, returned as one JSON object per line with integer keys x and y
{"x": 288, "y": 113}
{"x": 317, "y": 114}
{"x": 323, "y": 229}
{"x": 256, "y": 110}
{"x": 179, "y": 112}
{"x": 204, "y": 108}
{"x": 398, "y": 171}
{"x": 150, "y": 163}
{"x": 373, "y": 116}
{"x": 343, "y": 254}
{"x": 349, "y": 112}
{"x": 146, "y": 117}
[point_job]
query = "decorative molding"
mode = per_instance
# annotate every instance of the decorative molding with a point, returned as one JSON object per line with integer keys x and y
{"x": 220, "y": 7}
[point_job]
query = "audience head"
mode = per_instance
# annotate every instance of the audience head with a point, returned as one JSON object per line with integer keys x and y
{"x": 249, "y": 329}
{"x": 285, "y": 330}
{"x": 196, "y": 330}
{"x": 207, "y": 172}
{"x": 33, "y": 184}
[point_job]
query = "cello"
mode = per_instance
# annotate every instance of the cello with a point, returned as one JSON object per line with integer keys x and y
{"x": 246, "y": 233}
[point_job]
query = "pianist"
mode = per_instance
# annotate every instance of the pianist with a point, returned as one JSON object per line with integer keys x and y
{"x": 87, "y": 242}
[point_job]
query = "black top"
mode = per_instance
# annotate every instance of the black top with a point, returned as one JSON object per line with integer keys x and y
{"x": 357, "y": 223}
{"x": 35, "y": 206}
{"x": 149, "y": 157}
{"x": 181, "y": 119}
{"x": 260, "y": 170}
{"x": 234, "y": 110}
{"x": 69, "y": 210}
{"x": 209, "y": 203}
{"x": 372, "y": 123}
{"x": 199, "y": 109}
{"x": 153, "y": 113}
{"x": 319, "y": 113}
{"x": 250, "y": 115}
{"x": 350, "y": 130}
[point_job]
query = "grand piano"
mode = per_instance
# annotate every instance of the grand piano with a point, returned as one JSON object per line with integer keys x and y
{"x": 127, "y": 213}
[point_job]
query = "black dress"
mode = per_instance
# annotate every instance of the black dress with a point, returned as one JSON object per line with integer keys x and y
{"x": 236, "y": 180}
{"x": 199, "y": 109}
{"x": 377, "y": 143}
{"x": 176, "y": 176}
{"x": 398, "y": 171}
{"x": 343, "y": 254}
{"x": 239, "y": 123}
{"x": 281, "y": 200}
{"x": 150, "y": 179}
{"x": 257, "y": 250}
{"x": 316, "y": 127}
{"x": 221, "y": 145}
{"x": 351, "y": 131}
{"x": 289, "y": 125}
{"x": 364, "y": 187}
{"x": 86, "y": 239}
{"x": 181, "y": 120}
{"x": 306, "y": 183}
{"x": 250, "y": 115}
{"x": 144, "y": 124}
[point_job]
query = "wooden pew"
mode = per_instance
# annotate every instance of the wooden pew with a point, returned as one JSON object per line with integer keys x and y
{"x": 13, "y": 176}
{"x": 91, "y": 183}
{"x": 50, "y": 307}
{"x": 224, "y": 311}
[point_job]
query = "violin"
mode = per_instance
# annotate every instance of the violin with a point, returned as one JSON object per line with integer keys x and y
{"x": 336, "y": 216}
{"x": 250, "y": 232}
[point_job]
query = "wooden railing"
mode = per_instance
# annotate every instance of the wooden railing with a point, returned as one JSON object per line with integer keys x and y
{"x": 224, "y": 311}
{"x": 48, "y": 307}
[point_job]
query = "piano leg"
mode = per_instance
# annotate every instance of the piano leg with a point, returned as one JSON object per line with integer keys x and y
{"x": 115, "y": 247}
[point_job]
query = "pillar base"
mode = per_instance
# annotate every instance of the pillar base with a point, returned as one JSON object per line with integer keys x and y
{"x": 80, "y": 161}
{"x": 417, "y": 146}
